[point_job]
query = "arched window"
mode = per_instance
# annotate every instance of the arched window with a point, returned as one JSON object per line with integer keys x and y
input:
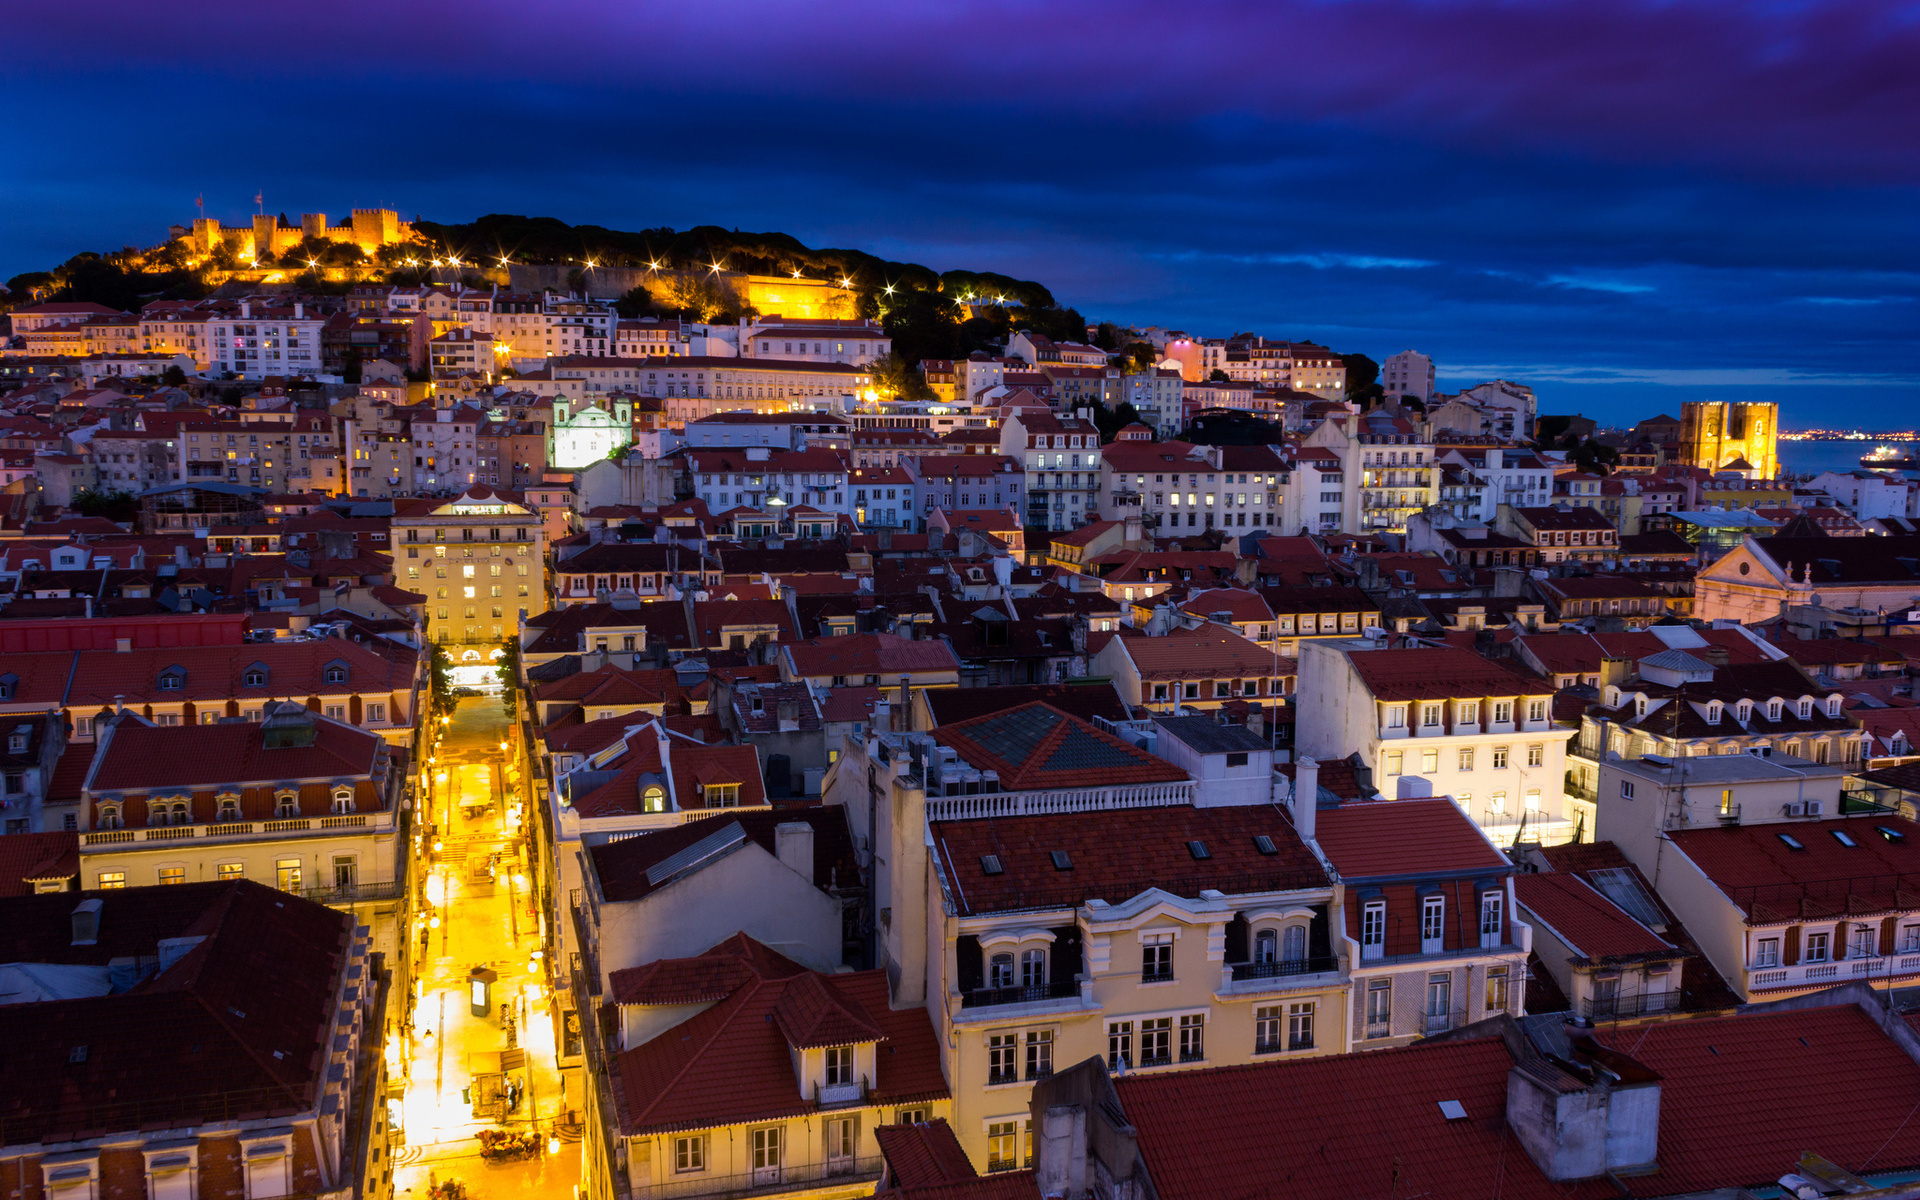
{"x": 179, "y": 812}
{"x": 1033, "y": 968}
{"x": 286, "y": 804}
{"x": 654, "y": 799}
{"x": 229, "y": 809}
{"x": 1774, "y": 708}
{"x": 1265, "y": 946}
{"x": 109, "y": 817}
{"x": 343, "y": 800}
{"x": 1000, "y": 971}
{"x": 1294, "y": 947}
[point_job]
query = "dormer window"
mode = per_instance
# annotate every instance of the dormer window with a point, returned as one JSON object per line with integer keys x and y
{"x": 839, "y": 1066}
{"x": 653, "y": 799}
{"x": 286, "y": 804}
{"x": 336, "y": 672}
{"x": 109, "y": 816}
{"x": 1806, "y": 708}
{"x": 1713, "y": 712}
{"x": 1833, "y": 706}
{"x": 343, "y": 800}
{"x": 8, "y": 683}
{"x": 255, "y": 676}
{"x": 172, "y": 679}
{"x": 1743, "y": 712}
{"x": 229, "y": 808}
{"x": 1775, "y": 708}
{"x": 722, "y": 795}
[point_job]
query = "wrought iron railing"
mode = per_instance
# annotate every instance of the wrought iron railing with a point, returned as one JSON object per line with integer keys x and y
{"x": 986, "y": 997}
{"x": 1615, "y": 1008}
{"x": 1280, "y": 968}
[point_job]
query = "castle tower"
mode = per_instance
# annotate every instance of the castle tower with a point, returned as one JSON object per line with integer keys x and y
{"x": 313, "y": 225}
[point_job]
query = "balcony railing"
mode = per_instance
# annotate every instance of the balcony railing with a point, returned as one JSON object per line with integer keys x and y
{"x": 240, "y": 831}
{"x": 1280, "y": 968}
{"x": 785, "y": 1178}
{"x": 839, "y": 1095}
{"x": 1827, "y": 974}
{"x": 1616, "y": 1008}
{"x": 986, "y": 997}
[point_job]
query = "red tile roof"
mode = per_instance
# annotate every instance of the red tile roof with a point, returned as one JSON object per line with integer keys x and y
{"x": 26, "y": 857}
{"x": 1439, "y": 674}
{"x": 242, "y": 1021}
{"x": 140, "y": 757}
{"x": 1117, "y": 854}
{"x": 733, "y": 1063}
{"x": 1741, "y": 1097}
{"x": 923, "y": 1154}
{"x": 703, "y": 979}
{"x": 1773, "y": 881}
{"x": 1403, "y": 837}
{"x": 1209, "y": 652}
{"x": 1592, "y": 926}
{"x": 1036, "y": 746}
{"x": 1356, "y": 1125}
{"x": 884, "y": 654}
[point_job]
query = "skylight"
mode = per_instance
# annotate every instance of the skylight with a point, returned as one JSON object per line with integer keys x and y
{"x": 1793, "y": 843}
{"x": 1062, "y": 861}
{"x": 1453, "y": 1110}
{"x": 1199, "y": 850}
{"x": 1264, "y": 844}
{"x": 990, "y": 864}
{"x": 1892, "y": 835}
{"x": 1841, "y": 836}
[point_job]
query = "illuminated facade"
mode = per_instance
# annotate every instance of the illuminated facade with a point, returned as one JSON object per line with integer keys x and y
{"x": 478, "y": 559}
{"x": 1716, "y": 435}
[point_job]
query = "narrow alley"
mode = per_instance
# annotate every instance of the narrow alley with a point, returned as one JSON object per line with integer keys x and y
{"x": 482, "y": 1048}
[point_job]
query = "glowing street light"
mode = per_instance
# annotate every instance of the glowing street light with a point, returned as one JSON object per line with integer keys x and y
{"x": 653, "y": 266}
{"x": 889, "y": 289}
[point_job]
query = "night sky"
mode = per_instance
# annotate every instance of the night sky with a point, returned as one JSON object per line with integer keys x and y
{"x": 1625, "y": 205}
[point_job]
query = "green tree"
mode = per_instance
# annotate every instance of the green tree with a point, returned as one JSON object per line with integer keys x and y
{"x": 174, "y": 376}
{"x": 1595, "y": 458}
{"x": 114, "y": 506}
{"x": 440, "y": 672}
{"x": 1218, "y": 376}
{"x": 1107, "y": 336}
{"x": 509, "y": 672}
{"x": 1142, "y": 355}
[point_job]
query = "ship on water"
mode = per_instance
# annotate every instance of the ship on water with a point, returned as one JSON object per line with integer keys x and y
{"x": 1886, "y": 458}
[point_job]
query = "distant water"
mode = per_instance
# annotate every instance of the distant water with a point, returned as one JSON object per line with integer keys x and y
{"x": 1811, "y": 458}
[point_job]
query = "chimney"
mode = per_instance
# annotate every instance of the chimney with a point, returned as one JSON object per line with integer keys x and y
{"x": 788, "y": 712}
{"x": 119, "y": 704}
{"x": 793, "y": 845}
{"x": 1608, "y": 1122}
{"x": 86, "y": 923}
{"x": 299, "y": 311}
{"x": 246, "y": 310}
{"x": 1306, "y": 796}
{"x": 1257, "y": 721}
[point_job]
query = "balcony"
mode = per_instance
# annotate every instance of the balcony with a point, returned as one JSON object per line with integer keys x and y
{"x": 988, "y": 997}
{"x": 1620, "y": 1008}
{"x": 840, "y": 1095}
{"x": 345, "y": 824}
{"x": 785, "y": 1178}
{"x": 1828, "y": 974}
{"x": 1284, "y": 968}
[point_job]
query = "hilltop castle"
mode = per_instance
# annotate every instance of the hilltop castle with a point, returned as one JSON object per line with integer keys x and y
{"x": 270, "y": 236}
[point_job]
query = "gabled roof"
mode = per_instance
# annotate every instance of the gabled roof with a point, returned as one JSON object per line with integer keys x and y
{"x": 884, "y": 654}
{"x": 1116, "y": 855}
{"x": 29, "y": 857}
{"x": 1440, "y": 673}
{"x": 733, "y": 1062}
{"x": 1036, "y": 747}
{"x": 141, "y": 757}
{"x": 1209, "y": 652}
{"x": 1086, "y": 701}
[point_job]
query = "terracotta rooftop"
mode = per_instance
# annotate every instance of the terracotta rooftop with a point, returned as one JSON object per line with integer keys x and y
{"x": 1593, "y": 927}
{"x": 1115, "y": 855}
{"x": 1209, "y": 652}
{"x": 1842, "y": 866}
{"x": 923, "y": 1154}
{"x": 733, "y": 1063}
{"x": 1386, "y": 838}
{"x": 1036, "y": 747}
{"x": 884, "y": 654}
{"x": 1440, "y": 674}
{"x": 622, "y": 866}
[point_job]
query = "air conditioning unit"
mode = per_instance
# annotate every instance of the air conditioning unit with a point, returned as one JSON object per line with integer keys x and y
{"x": 1796, "y": 809}
{"x": 1814, "y": 808}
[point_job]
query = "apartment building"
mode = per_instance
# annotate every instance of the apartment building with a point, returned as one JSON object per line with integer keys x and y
{"x": 1441, "y": 722}
{"x": 262, "y": 339}
{"x": 768, "y": 479}
{"x": 1559, "y": 533}
{"x": 1177, "y": 485}
{"x": 1408, "y": 373}
{"x": 1192, "y": 670}
{"x": 1062, "y": 457}
{"x": 1032, "y": 944}
{"x": 480, "y": 559}
{"x": 1432, "y": 930}
{"x": 276, "y": 451}
{"x": 850, "y": 342}
{"x": 297, "y": 800}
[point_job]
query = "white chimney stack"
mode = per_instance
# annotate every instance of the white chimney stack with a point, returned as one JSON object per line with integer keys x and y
{"x": 1306, "y": 796}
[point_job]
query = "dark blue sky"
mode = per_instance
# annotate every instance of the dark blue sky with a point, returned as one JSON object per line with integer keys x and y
{"x": 1624, "y": 204}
